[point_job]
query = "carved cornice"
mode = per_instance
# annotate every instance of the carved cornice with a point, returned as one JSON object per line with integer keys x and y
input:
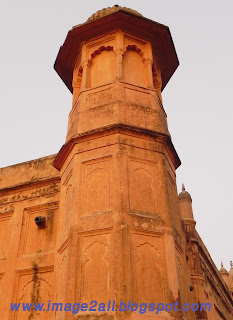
{"x": 29, "y": 185}
{"x": 208, "y": 267}
{"x": 27, "y": 192}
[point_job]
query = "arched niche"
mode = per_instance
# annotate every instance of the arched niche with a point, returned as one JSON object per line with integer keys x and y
{"x": 133, "y": 66}
{"x": 103, "y": 66}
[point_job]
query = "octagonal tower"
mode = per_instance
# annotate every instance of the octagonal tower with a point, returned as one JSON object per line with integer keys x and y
{"x": 119, "y": 234}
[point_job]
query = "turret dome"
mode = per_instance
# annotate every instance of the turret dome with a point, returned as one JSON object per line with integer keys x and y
{"x": 222, "y": 270}
{"x": 184, "y": 194}
{"x": 106, "y": 11}
{"x": 231, "y": 275}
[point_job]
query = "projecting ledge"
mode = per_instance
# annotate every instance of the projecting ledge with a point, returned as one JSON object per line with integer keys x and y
{"x": 118, "y": 129}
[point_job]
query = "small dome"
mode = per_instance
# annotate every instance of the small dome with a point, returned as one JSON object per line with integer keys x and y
{"x": 106, "y": 11}
{"x": 184, "y": 194}
{"x": 231, "y": 274}
{"x": 223, "y": 270}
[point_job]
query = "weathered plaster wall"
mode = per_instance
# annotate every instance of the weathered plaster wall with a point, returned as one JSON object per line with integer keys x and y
{"x": 27, "y": 190}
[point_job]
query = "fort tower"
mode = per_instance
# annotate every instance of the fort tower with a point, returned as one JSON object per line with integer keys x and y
{"x": 119, "y": 219}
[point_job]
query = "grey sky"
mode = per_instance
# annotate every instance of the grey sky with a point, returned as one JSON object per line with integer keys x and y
{"x": 198, "y": 99}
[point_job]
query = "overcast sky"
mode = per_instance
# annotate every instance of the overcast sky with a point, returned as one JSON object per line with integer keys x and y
{"x": 198, "y": 99}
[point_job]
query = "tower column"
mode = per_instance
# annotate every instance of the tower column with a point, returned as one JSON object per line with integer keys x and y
{"x": 119, "y": 234}
{"x": 86, "y": 70}
{"x": 119, "y": 53}
{"x": 148, "y": 66}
